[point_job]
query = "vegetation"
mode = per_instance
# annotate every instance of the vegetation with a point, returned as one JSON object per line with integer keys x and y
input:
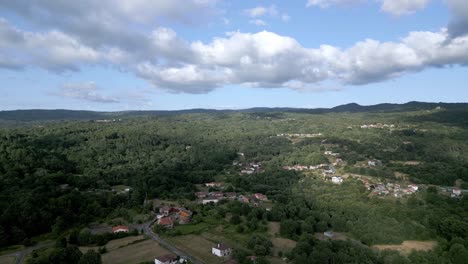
{"x": 57, "y": 177}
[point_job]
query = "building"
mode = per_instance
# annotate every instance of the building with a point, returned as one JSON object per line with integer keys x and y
{"x": 184, "y": 216}
{"x": 214, "y": 184}
{"x": 120, "y": 228}
{"x": 373, "y": 163}
{"x": 230, "y": 195}
{"x": 201, "y": 195}
{"x": 210, "y": 200}
{"x": 261, "y": 197}
{"x": 337, "y": 179}
{"x": 328, "y": 234}
{"x": 166, "y": 222}
{"x": 456, "y": 192}
{"x": 414, "y": 187}
{"x": 164, "y": 210}
{"x": 166, "y": 259}
{"x": 221, "y": 250}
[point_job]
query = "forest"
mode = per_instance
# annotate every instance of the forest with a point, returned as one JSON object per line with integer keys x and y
{"x": 58, "y": 175}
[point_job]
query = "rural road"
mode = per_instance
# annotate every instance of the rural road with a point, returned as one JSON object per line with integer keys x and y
{"x": 147, "y": 229}
{"x": 20, "y": 255}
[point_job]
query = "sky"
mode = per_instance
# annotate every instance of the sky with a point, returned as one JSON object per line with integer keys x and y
{"x": 166, "y": 55}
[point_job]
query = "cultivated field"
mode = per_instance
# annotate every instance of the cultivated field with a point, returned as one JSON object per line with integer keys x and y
{"x": 142, "y": 251}
{"x": 407, "y": 246}
{"x": 7, "y": 259}
{"x": 196, "y": 246}
{"x": 115, "y": 244}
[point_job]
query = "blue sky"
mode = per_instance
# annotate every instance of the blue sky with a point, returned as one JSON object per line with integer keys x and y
{"x": 139, "y": 55}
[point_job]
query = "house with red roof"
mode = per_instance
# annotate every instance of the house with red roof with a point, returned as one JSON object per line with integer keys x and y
{"x": 120, "y": 228}
{"x": 166, "y": 222}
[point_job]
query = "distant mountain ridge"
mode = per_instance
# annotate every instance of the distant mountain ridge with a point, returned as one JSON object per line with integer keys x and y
{"x": 60, "y": 114}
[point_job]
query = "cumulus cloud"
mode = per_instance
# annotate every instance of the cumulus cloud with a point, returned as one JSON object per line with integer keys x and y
{"x": 108, "y": 22}
{"x": 51, "y": 50}
{"x": 266, "y": 59}
{"x": 394, "y": 7}
{"x": 403, "y": 7}
{"x": 86, "y": 91}
{"x": 261, "y": 11}
{"x": 459, "y": 24}
{"x": 262, "y": 59}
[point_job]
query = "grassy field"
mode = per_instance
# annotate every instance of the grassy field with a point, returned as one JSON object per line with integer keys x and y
{"x": 193, "y": 229}
{"x": 197, "y": 246}
{"x": 409, "y": 245}
{"x": 282, "y": 244}
{"x": 273, "y": 228}
{"x": 11, "y": 249}
{"x": 115, "y": 244}
{"x": 142, "y": 251}
{"x": 7, "y": 259}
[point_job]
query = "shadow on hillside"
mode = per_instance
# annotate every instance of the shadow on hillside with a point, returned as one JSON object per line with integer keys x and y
{"x": 457, "y": 118}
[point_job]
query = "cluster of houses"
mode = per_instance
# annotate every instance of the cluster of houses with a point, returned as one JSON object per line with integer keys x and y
{"x": 378, "y": 125}
{"x": 453, "y": 192}
{"x": 298, "y": 167}
{"x": 168, "y": 216}
{"x": 300, "y": 135}
{"x": 249, "y": 168}
{"x": 215, "y": 197}
{"x": 390, "y": 188}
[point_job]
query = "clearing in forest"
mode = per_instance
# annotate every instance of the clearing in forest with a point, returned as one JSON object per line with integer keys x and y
{"x": 409, "y": 245}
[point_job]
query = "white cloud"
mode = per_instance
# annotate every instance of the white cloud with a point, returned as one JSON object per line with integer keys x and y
{"x": 403, "y": 7}
{"x": 51, "y": 50}
{"x": 86, "y": 91}
{"x": 261, "y": 11}
{"x": 258, "y": 22}
{"x": 285, "y": 17}
{"x": 328, "y": 3}
{"x": 459, "y": 24}
{"x": 263, "y": 59}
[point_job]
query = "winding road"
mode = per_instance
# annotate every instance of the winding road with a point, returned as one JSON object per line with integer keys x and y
{"x": 145, "y": 227}
{"x": 147, "y": 230}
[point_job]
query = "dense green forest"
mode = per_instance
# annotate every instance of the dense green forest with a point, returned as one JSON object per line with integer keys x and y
{"x": 57, "y": 174}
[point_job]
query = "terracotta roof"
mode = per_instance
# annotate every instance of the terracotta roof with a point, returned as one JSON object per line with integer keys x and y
{"x": 166, "y": 258}
{"x": 185, "y": 213}
{"x": 166, "y": 221}
{"x": 115, "y": 228}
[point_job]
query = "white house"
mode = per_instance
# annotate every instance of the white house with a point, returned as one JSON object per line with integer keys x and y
{"x": 207, "y": 201}
{"x": 337, "y": 179}
{"x": 413, "y": 186}
{"x": 456, "y": 192}
{"x": 166, "y": 259}
{"x": 221, "y": 250}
